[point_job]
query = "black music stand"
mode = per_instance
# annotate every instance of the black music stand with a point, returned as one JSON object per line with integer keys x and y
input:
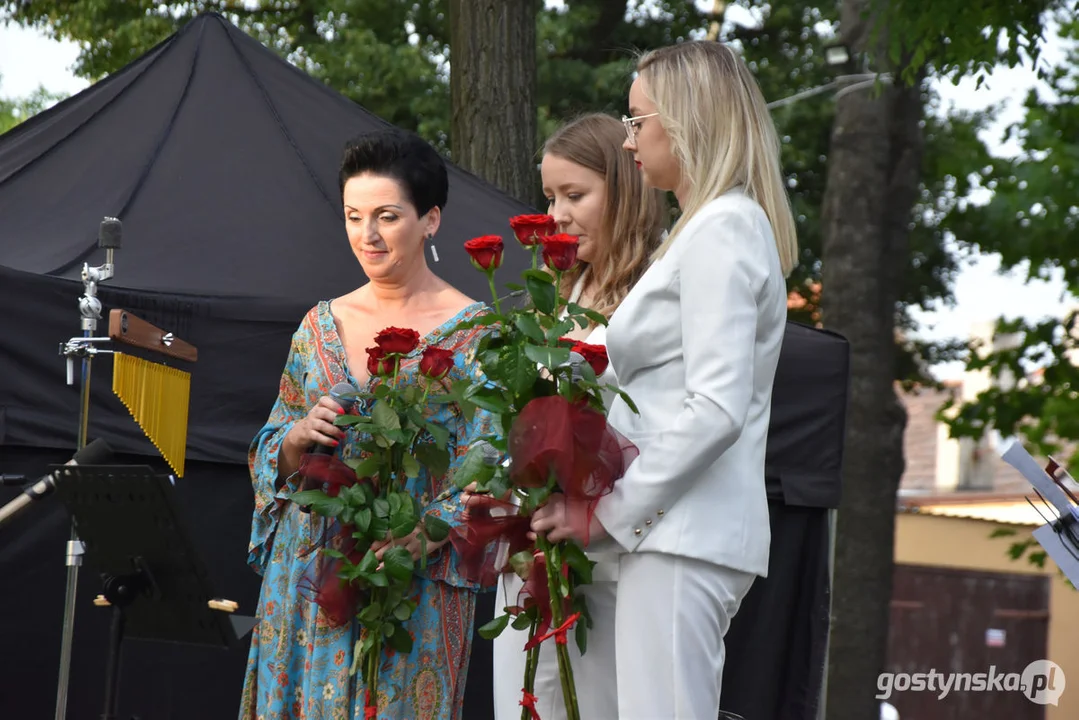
{"x": 153, "y": 579}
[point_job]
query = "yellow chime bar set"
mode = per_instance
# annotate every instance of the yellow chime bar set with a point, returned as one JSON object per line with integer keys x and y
{"x": 156, "y": 395}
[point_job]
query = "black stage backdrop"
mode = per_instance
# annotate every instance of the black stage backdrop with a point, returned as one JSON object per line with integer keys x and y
{"x": 220, "y": 159}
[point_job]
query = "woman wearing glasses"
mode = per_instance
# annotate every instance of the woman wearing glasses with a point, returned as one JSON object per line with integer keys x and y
{"x": 695, "y": 344}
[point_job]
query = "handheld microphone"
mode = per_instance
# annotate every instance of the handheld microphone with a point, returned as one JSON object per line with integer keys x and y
{"x": 337, "y": 392}
{"x": 96, "y": 453}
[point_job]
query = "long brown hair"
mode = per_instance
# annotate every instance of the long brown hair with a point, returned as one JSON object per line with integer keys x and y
{"x": 634, "y": 217}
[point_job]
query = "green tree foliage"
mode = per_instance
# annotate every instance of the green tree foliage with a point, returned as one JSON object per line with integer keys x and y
{"x": 15, "y": 110}
{"x": 1032, "y": 220}
{"x": 393, "y": 58}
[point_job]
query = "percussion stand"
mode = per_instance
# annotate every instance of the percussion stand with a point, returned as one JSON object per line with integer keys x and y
{"x": 84, "y": 349}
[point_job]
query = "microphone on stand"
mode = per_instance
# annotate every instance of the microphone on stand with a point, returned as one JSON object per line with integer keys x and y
{"x": 96, "y": 453}
{"x": 337, "y": 392}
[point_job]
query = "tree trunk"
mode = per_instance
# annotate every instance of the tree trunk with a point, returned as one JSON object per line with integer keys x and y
{"x": 874, "y": 169}
{"x": 493, "y": 92}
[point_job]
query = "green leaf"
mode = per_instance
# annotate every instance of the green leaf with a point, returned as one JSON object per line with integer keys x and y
{"x": 516, "y": 371}
{"x": 578, "y": 562}
{"x": 494, "y": 628}
{"x": 435, "y": 528}
{"x": 362, "y": 520}
{"x": 403, "y": 521}
{"x": 385, "y": 417}
{"x": 542, "y": 293}
{"x": 527, "y": 324}
{"x": 522, "y": 563}
{"x": 1002, "y": 532}
{"x": 596, "y": 317}
{"x": 548, "y": 357}
{"x": 377, "y": 579}
{"x": 404, "y": 609}
{"x": 368, "y": 563}
{"x": 439, "y": 433}
{"x": 400, "y": 640}
{"x": 366, "y": 467}
{"x": 410, "y": 465}
{"x": 539, "y": 276}
{"x": 320, "y": 503}
{"x": 558, "y": 330}
{"x": 490, "y": 399}
{"x": 350, "y": 420}
{"x": 521, "y": 622}
{"x": 625, "y": 397}
{"x": 371, "y": 614}
{"x": 398, "y": 563}
{"x": 381, "y": 506}
{"x": 380, "y": 527}
{"x": 473, "y": 469}
{"x": 580, "y": 635}
{"x": 435, "y": 459}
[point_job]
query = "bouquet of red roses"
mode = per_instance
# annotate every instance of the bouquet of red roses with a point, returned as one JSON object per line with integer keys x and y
{"x": 551, "y": 437}
{"x": 367, "y": 499}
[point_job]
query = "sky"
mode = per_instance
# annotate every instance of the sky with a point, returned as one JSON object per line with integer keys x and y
{"x": 29, "y": 59}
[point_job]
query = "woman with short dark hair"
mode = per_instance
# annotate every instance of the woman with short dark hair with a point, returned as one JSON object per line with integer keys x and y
{"x": 393, "y": 187}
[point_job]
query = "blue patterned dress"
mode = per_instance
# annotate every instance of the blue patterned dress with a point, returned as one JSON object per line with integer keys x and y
{"x": 299, "y": 662}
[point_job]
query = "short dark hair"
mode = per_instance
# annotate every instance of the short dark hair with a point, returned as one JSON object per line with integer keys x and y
{"x": 405, "y": 157}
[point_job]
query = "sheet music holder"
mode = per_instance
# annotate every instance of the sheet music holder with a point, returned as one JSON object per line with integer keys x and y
{"x": 153, "y": 580}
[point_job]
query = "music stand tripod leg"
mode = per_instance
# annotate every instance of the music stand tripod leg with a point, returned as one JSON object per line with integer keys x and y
{"x": 119, "y": 591}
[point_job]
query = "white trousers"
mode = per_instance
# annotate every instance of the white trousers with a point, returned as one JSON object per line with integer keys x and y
{"x": 656, "y": 653}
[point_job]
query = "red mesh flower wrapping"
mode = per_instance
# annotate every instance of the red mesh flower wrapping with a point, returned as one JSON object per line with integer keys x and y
{"x": 337, "y": 598}
{"x": 326, "y": 470}
{"x": 490, "y": 525}
{"x": 573, "y": 442}
{"x": 536, "y": 593}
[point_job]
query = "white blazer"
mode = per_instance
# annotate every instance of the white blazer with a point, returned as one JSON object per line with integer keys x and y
{"x": 695, "y": 346}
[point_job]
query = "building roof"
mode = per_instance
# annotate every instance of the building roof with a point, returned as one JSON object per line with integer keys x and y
{"x": 1010, "y": 508}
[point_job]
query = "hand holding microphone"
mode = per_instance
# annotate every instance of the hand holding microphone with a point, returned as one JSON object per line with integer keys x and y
{"x": 316, "y": 433}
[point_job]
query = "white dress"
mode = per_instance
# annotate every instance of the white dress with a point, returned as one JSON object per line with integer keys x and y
{"x": 596, "y": 669}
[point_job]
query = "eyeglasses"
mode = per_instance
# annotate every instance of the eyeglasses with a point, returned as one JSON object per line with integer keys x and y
{"x": 633, "y": 125}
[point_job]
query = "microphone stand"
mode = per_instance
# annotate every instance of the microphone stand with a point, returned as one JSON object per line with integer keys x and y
{"x": 84, "y": 349}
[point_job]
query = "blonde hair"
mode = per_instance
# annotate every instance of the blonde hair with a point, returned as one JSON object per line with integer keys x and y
{"x": 634, "y": 216}
{"x": 721, "y": 134}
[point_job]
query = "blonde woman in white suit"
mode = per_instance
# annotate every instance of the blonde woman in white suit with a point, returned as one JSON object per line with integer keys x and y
{"x": 695, "y": 344}
{"x": 595, "y": 193}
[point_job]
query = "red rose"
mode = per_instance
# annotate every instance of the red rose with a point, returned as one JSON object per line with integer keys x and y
{"x": 378, "y": 363}
{"x": 531, "y": 229}
{"x": 436, "y": 362}
{"x": 559, "y": 251}
{"x": 485, "y": 251}
{"x": 596, "y": 355}
{"x": 397, "y": 341}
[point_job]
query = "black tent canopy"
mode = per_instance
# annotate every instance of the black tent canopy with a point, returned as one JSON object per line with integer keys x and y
{"x": 221, "y": 160}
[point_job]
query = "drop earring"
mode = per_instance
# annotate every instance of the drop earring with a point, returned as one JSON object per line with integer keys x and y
{"x": 434, "y": 250}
